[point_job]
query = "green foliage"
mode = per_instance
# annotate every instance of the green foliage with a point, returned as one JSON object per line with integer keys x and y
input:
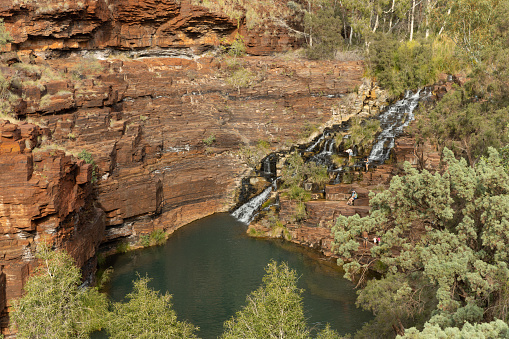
{"x": 316, "y": 173}
{"x": 504, "y": 157}
{"x": 324, "y": 27}
{"x": 399, "y": 66}
{"x": 300, "y": 212}
{"x": 123, "y": 247}
{"x": 274, "y": 310}
{"x": 88, "y": 158}
{"x": 54, "y": 305}
{"x": 298, "y": 193}
{"x": 146, "y": 314}
{"x": 86, "y": 66}
{"x": 328, "y": 333}
{"x": 156, "y": 237}
{"x": 362, "y": 133}
{"x": 295, "y": 172}
{"x": 5, "y": 37}
{"x": 237, "y": 47}
{"x": 240, "y": 78}
{"x": 491, "y": 330}
{"x": 475, "y": 25}
{"x": 444, "y": 236}
{"x": 209, "y": 140}
{"x": 292, "y": 173}
{"x": 466, "y": 125}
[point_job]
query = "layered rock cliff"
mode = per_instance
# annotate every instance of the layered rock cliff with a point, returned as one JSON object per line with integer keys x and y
{"x": 168, "y": 136}
{"x": 148, "y": 27}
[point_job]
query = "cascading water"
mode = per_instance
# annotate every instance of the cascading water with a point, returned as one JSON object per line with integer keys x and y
{"x": 313, "y": 146}
{"x": 392, "y": 122}
{"x": 247, "y": 212}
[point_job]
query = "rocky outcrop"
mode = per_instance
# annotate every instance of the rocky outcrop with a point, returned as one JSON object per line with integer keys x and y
{"x": 314, "y": 230}
{"x": 167, "y": 135}
{"x": 146, "y": 122}
{"x": 146, "y": 27}
{"x": 45, "y": 196}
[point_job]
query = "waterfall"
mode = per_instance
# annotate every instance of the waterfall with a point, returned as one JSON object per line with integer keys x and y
{"x": 246, "y": 212}
{"x": 392, "y": 122}
{"x": 312, "y": 147}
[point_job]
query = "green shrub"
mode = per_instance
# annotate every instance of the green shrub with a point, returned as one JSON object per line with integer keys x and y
{"x": 5, "y": 37}
{"x": 325, "y": 27}
{"x": 145, "y": 240}
{"x": 362, "y": 133}
{"x": 399, "y": 66}
{"x": 85, "y": 155}
{"x": 240, "y": 78}
{"x": 209, "y": 140}
{"x": 123, "y": 247}
{"x": 298, "y": 193}
{"x": 158, "y": 237}
{"x": 237, "y": 47}
{"x": 86, "y": 66}
{"x": 300, "y": 212}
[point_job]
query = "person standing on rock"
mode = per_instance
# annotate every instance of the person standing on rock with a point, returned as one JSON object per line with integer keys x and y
{"x": 365, "y": 236}
{"x": 350, "y": 153}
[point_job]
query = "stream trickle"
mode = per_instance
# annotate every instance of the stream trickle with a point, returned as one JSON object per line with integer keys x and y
{"x": 392, "y": 122}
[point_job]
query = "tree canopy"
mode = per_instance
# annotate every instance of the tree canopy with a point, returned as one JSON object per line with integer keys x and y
{"x": 54, "y": 305}
{"x": 444, "y": 254}
{"x": 146, "y": 314}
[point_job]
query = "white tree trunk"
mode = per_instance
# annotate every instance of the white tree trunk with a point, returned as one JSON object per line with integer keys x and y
{"x": 412, "y": 19}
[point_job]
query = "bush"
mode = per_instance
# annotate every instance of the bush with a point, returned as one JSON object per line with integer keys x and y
{"x": 399, "y": 66}
{"x": 156, "y": 237}
{"x": 362, "y": 133}
{"x": 298, "y": 193}
{"x": 240, "y": 78}
{"x": 85, "y": 155}
{"x": 324, "y": 27}
{"x": 123, "y": 247}
{"x": 5, "y": 37}
{"x": 238, "y": 47}
{"x": 209, "y": 140}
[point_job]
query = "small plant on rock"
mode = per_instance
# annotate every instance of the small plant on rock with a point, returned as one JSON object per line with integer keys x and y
{"x": 209, "y": 140}
{"x": 5, "y": 37}
{"x": 85, "y": 155}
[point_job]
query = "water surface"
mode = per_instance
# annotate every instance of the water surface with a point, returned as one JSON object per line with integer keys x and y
{"x": 211, "y": 265}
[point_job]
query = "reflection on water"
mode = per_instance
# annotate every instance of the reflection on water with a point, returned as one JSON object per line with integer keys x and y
{"x": 211, "y": 265}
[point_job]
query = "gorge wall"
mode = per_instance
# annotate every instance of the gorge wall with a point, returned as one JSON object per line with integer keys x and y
{"x": 169, "y": 136}
{"x": 147, "y": 27}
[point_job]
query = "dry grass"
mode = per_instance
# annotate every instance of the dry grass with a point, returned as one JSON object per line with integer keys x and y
{"x": 259, "y": 13}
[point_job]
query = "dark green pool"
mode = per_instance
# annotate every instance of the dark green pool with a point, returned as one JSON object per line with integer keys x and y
{"x": 211, "y": 265}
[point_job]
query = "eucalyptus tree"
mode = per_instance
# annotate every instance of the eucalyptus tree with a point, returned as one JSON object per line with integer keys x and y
{"x": 146, "y": 314}
{"x": 443, "y": 254}
{"x": 274, "y": 310}
{"x": 54, "y": 305}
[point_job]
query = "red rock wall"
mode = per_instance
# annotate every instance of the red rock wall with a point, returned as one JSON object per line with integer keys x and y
{"x": 166, "y": 27}
{"x": 145, "y": 123}
{"x": 45, "y": 196}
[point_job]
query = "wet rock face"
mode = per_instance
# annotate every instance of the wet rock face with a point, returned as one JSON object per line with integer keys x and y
{"x": 45, "y": 196}
{"x": 167, "y": 27}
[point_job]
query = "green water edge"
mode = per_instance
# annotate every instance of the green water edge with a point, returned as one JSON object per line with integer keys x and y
{"x": 211, "y": 265}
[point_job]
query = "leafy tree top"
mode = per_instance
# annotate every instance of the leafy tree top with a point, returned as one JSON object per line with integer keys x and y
{"x": 446, "y": 233}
